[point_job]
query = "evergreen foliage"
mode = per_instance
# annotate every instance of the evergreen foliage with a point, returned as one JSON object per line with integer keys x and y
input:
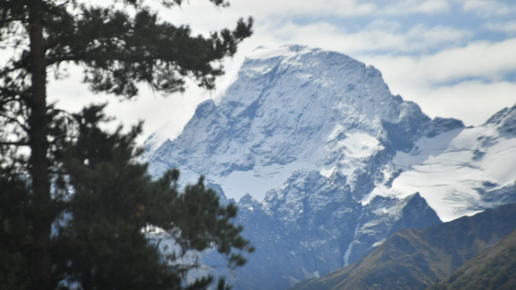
{"x": 14, "y": 231}
{"x": 74, "y": 202}
{"x": 113, "y": 199}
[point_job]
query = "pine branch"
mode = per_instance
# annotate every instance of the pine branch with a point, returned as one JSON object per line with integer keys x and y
{"x": 14, "y": 120}
{"x": 13, "y": 93}
{"x": 14, "y": 143}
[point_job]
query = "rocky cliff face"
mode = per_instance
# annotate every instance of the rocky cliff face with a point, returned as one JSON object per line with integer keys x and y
{"x": 322, "y": 158}
{"x": 313, "y": 225}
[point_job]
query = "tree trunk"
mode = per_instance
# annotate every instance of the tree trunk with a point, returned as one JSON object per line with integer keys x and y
{"x": 41, "y": 260}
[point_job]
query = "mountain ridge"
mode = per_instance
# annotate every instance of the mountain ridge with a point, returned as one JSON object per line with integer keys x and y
{"x": 416, "y": 259}
{"x": 490, "y": 269}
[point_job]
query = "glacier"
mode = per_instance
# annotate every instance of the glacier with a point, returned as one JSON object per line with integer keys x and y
{"x": 325, "y": 163}
{"x": 456, "y": 170}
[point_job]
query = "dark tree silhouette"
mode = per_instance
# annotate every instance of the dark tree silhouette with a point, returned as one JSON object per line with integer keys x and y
{"x": 47, "y": 153}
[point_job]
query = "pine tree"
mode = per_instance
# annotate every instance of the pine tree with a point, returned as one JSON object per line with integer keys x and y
{"x": 46, "y": 153}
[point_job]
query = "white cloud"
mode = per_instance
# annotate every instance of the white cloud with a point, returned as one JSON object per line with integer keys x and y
{"x": 72, "y": 95}
{"x": 434, "y": 6}
{"x": 486, "y": 60}
{"x": 473, "y": 102}
{"x": 380, "y": 35}
{"x": 441, "y": 85}
{"x": 508, "y": 27}
{"x": 488, "y": 8}
{"x": 344, "y": 8}
{"x": 404, "y": 7}
{"x": 204, "y": 13}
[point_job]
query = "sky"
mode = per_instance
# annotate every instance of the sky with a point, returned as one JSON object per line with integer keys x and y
{"x": 454, "y": 58}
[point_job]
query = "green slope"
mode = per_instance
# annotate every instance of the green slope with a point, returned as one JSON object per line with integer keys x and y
{"x": 494, "y": 268}
{"x": 415, "y": 259}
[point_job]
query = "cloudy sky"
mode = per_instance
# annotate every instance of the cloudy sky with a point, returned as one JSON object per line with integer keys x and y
{"x": 455, "y": 58}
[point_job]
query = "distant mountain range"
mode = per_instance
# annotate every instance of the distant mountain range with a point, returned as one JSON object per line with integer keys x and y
{"x": 326, "y": 164}
{"x": 417, "y": 259}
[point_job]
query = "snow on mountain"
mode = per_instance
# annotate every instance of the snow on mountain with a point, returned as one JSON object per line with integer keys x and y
{"x": 289, "y": 108}
{"x": 454, "y": 170}
{"x": 326, "y": 164}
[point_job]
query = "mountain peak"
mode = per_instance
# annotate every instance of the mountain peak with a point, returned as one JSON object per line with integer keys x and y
{"x": 294, "y": 107}
{"x": 505, "y": 121}
{"x": 285, "y": 50}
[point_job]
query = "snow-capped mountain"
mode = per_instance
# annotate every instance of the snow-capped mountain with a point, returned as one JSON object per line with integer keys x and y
{"x": 327, "y": 164}
{"x": 293, "y": 108}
